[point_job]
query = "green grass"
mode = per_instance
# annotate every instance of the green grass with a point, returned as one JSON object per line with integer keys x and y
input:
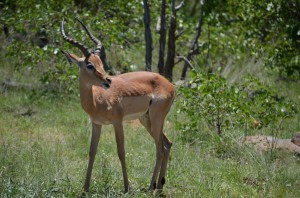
{"x": 45, "y": 155}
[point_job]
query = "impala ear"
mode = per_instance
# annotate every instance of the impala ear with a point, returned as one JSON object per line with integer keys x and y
{"x": 70, "y": 57}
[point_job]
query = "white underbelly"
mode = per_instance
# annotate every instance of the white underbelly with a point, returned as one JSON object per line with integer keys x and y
{"x": 101, "y": 122}
{"x": 133, "y": 116}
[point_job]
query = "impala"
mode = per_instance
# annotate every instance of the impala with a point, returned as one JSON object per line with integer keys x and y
{"x": 109, "y": 99}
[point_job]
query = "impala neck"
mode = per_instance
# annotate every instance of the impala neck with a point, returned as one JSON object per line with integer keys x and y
{"x": 86, "y": 95}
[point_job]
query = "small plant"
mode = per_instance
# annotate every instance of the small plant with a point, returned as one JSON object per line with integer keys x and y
{"x": 210, "y": 101}
{"x": 263, "y": 106}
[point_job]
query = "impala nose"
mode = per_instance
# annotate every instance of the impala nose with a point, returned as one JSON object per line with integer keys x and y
{"x": 106, "y": 83}
{"x": 108, "y": 80}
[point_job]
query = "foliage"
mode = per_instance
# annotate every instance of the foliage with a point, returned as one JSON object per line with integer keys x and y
{"x": 285, "y": 60}
{"x": 33, "y": 42}
{"x": 221, "y": 106}
{"x": 234, "y": 29}
{"x": 264, "y": 105}
{"x": 275, "y": 25}
{"x": 214, "y": 100}
{"x": 237, "y": 30}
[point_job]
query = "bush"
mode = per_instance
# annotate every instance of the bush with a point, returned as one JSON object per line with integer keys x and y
{"x": 211, "y": 103}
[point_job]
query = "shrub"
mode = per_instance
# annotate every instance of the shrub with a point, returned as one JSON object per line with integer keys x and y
{"x": 212, "y": 103}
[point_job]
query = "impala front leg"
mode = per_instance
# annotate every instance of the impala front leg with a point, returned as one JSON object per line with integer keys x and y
{"x": 96, "y": 131}
{"x": 119, "y": 133}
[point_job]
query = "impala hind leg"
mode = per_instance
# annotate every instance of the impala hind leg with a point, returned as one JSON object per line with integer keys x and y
{"x": 158, "y": 162}
{"x": 119, "y": 133}
{"x": 167, "y": 147}
{"x": 163, "y": 145}
{"x": 96, "y": 131}
{"x": 154, "y": 124}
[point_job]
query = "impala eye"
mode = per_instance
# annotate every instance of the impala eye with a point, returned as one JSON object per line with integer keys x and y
{"x": 90, "y": 66}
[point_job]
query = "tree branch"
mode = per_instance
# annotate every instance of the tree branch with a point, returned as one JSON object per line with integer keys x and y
{"x": 194, "y": 47}
{"x": 180, "y": 33}
{"x": 178, "y": 7}
{"x": 182, "y": 58}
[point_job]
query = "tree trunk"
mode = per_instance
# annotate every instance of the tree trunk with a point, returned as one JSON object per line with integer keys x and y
{"x": 161, "y": 28}
{"x": 148, "y": 36}
{"x": 194, "y": 49}
{"x": 171, "y": 45}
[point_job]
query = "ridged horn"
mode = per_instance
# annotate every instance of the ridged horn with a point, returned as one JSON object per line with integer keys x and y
{"x": 94, "y": 39}
{"x": 80, "y": 46}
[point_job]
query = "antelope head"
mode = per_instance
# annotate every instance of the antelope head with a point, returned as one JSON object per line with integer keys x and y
{"x": 91, "y": 69}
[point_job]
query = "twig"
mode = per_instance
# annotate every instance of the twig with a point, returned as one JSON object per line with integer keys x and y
{"x": 179, "y": 6}
{"x": 180, "y": 33}
{"x": 186, "y": 60}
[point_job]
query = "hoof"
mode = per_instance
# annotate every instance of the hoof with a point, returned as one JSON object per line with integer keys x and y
{"x": 152, "y": 187}
{"x": 83, "y": 194}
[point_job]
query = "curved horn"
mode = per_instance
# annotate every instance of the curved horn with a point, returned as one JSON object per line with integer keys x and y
{"x": 96, "y": 41}
{"x": 84, "y": 50}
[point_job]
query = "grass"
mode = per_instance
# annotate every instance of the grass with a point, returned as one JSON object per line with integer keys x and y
{"x": 45, "y": 155}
